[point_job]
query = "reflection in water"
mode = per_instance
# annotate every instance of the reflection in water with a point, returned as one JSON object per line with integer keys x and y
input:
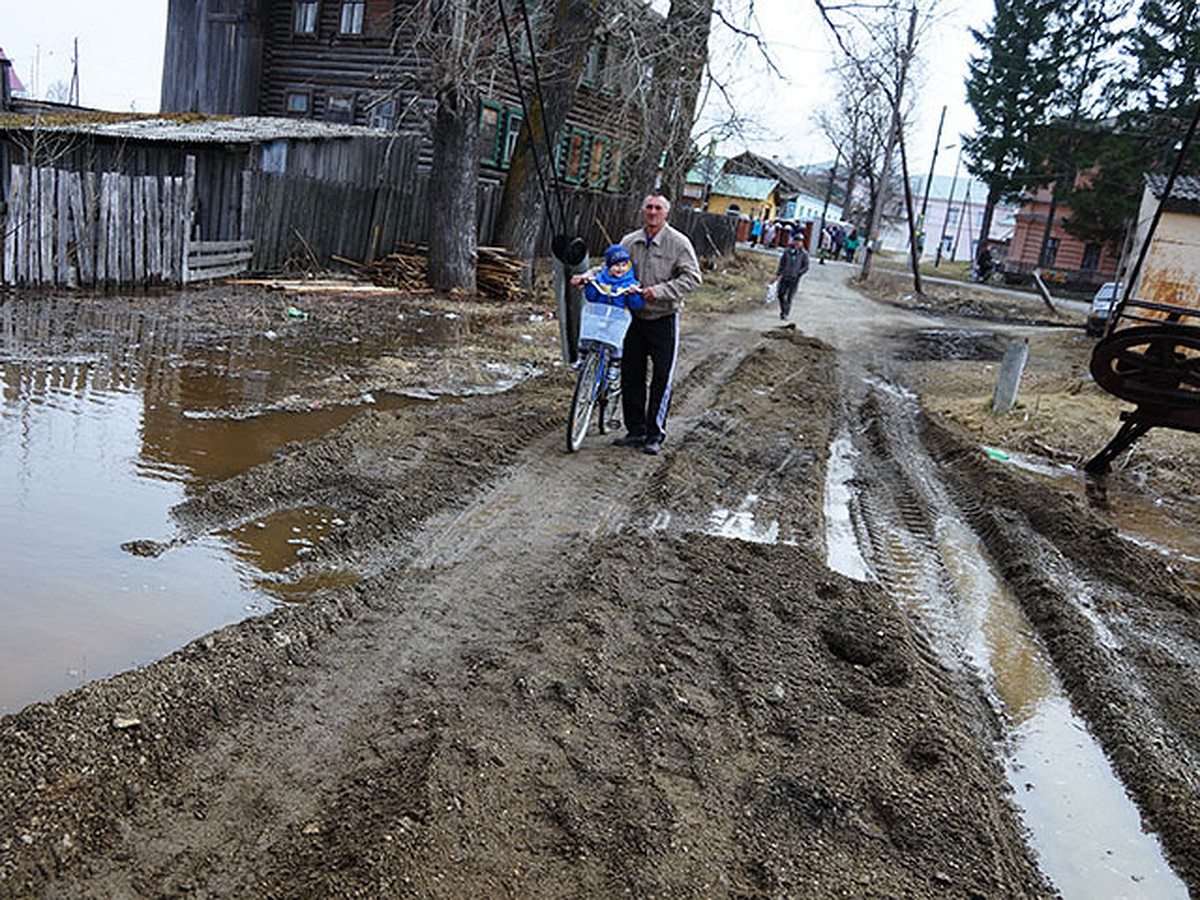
{"x": 99, "y": 438}
{"x": 273, "y": 544}
{"x": 1084, "y": 828}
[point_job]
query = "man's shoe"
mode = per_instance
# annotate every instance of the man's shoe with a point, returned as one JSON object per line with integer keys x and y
{"x": 630, "y": 440}
{"x": 653, "y": 446}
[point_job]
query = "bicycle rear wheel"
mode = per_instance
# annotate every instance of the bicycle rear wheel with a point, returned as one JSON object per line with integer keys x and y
{"x": 587, "y": 387}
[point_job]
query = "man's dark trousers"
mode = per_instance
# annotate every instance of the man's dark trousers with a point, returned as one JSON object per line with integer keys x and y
{"x": 787, "y": 290}
{"x": 653, "y": 341}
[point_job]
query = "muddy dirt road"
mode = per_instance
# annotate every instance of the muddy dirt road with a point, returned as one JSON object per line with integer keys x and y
{"x": 608, "y": 674}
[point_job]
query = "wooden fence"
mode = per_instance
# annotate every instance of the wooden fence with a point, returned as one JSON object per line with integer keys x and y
{"x": 68, "y": 228}
{"x": 108, "y": 229}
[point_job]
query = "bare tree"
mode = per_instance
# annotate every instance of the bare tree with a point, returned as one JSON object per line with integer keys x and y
{"x": 879, "y": 41}
{"x": 445, "y": 52}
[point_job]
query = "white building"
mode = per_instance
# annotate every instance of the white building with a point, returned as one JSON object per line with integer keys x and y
{"x": 953, "y": 208}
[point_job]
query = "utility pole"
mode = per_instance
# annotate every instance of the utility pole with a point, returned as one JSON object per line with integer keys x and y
{"x": 937, "y": 143}
{"x": 914, "y": 254}
{"x": 966, "y": 211}
{"x": 893, "y": 133}
{"x": 73, "y": 93}
{"x": 937, "y": 260}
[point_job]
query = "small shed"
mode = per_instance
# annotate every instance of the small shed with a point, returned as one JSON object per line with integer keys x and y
{"x": 1170, "y": 273}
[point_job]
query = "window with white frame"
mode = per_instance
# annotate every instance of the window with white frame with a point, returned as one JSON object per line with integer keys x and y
{"x": 304, "y": 17}
{"x": 353, "y": 12}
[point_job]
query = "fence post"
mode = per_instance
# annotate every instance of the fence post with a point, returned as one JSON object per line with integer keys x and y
{"x": 189, "y": 201}
{"x": 1013, "y": 364}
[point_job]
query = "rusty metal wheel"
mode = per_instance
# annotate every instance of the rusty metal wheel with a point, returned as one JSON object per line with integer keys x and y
{"x": 1155, "y": 364}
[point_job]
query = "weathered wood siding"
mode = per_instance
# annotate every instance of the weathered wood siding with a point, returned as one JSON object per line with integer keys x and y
{"x": 70, "y": 228}
{"x": 213, "y": 56}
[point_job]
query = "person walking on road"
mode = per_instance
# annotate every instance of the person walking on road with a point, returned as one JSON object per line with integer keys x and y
{"x": 792, "y": 265}
{"x": 666, "y": 267}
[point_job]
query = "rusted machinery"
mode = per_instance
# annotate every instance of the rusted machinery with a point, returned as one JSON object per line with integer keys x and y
{"x": 1150, "y": 352}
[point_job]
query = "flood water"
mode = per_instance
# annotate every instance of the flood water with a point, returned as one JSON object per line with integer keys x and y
{"x": 106, "y": 422}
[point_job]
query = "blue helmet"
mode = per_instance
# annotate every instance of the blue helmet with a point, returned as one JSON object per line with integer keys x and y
{"x": 615, "y": 254}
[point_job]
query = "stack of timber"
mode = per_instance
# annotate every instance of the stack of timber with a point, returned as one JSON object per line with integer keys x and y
{"x": 497, "y": 273}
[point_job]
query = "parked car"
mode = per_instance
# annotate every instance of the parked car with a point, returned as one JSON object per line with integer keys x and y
{"x": 1097, "y": 320}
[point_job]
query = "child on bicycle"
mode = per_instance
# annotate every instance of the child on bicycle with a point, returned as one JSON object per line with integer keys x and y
{"x": 616, "y": 285}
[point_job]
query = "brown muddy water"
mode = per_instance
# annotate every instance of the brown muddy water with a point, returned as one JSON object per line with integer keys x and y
{"x": 107, "y": 420}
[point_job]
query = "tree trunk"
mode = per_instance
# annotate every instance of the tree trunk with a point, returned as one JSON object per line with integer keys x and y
{"x": 452, "y": 190}
{"x": 688, "y": 26}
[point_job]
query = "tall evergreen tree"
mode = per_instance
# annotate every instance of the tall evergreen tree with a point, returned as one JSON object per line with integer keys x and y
{"x": 1010, "y": 86}
{"x": 1157, "y": 97}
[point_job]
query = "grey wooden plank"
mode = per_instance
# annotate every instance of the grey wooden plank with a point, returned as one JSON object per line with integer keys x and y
{"x": 154, "y": 221}
{"x": 82, "y": 232}
{"x": 62, "y": 230}
{"x": 138, "y": 223}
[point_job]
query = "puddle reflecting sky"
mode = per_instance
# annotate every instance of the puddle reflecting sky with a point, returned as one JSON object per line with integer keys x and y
{"x": 99, "y": 438}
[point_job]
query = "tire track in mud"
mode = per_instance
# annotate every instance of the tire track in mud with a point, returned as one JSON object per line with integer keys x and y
{"x": 910, "y": 472}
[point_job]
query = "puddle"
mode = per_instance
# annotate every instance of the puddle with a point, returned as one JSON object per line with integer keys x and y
{"x": 106, "y": 422}
{"x": 272, "y": 544}
{"x": 1086, "y": 831}
{"x": 740, "y": 524}
{"x": 950, "y": 344}
{"x": 1083, "y": 827}
{"x": 841, "y": 537}
{"x": 1138, "y": 517}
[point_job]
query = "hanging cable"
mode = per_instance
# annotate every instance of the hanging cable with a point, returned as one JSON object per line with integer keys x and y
{"x": 533, "y": 147}
{"x": 541, "y": 100}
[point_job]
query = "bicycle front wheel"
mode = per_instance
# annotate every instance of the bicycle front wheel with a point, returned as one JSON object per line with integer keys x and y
{"x": 610, "y": 406}
{"x": 587, "y": 386}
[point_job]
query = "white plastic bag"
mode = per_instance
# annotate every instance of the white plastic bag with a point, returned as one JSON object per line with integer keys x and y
{"x": 772, "y": 290}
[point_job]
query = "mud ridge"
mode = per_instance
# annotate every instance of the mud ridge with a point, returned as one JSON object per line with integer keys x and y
{"x": 1134, "y": 696}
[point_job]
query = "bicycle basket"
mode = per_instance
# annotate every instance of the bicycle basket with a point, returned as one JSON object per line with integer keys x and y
{"x": 604, "y": 323}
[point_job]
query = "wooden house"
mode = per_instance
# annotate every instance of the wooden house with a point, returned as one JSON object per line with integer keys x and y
{"x": 356, "y": 62}
{"x": 743, "y": 195}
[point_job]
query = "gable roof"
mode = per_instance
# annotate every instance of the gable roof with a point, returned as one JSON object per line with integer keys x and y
{"x": 706, "y": 169}
{"x": 14, "y": 83}
{"x": 745, "y": 187}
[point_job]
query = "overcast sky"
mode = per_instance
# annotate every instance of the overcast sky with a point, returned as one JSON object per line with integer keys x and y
{"x": 120, "y": 48}
{"x": 121, "y": 51}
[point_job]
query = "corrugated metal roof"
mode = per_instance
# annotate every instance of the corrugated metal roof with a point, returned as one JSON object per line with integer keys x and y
{"x": 748, "y": 187}
{"x": 191, "y": 129}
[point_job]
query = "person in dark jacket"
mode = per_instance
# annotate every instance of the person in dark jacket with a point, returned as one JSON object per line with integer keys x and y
{"x": 792, "y": 264}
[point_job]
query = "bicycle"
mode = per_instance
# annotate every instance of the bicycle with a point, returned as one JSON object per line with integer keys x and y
{"x": 602, "y": 328}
